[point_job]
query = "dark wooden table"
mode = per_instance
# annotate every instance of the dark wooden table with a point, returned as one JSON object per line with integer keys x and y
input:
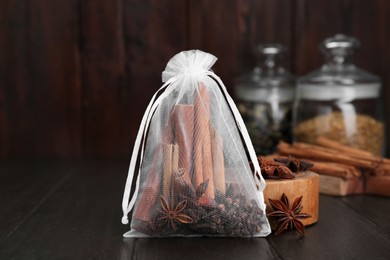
{"x": 72, "y": 210}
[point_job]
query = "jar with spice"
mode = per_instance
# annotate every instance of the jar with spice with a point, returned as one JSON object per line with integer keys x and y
{"x": 265, "y": 98}
{"x": 340, "y": 101}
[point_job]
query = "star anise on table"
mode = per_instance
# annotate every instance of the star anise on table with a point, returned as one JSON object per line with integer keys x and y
{"x": 288, "y": 216}
{"x": 173, "y": 215}
{"x": 282, "y": 168}
{"x": 295, "y": 164}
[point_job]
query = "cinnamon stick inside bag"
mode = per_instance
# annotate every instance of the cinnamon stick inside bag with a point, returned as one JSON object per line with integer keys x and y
{"x": 167, "y": 170}
{"x": 203, "y": 164}
{"x": 218, "y": 160}
{"x": 197, "y": 176}
{"x": 183, "y": 125}
{"x": 148, "y": 195}
{"x": 175, "y": 157}
{"x": 182, "y": 183}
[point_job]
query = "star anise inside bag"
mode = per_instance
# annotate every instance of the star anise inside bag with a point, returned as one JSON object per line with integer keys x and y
{"x": 173, "y": 216}
{"x": 287, "y": 216}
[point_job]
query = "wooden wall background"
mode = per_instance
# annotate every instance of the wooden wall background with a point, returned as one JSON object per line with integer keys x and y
{"x": 76, "y": 75}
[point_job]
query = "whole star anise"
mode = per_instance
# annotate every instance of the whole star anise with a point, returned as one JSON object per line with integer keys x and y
{"x": 173, "y": 215}
{"x": 282, "y": 168}
{"x": 288, "y": 216}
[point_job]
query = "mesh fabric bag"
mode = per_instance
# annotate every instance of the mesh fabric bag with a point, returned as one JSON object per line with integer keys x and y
{"x": 194, "y": 178}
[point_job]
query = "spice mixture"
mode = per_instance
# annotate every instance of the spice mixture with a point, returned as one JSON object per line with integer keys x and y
{"x": 191, "y": 213}
{"x": 359, "y": 131}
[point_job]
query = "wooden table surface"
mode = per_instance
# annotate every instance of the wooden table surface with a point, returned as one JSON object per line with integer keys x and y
{"x": 72, "y": 210}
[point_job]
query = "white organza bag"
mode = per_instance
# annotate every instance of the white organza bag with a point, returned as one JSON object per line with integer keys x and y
{"x": 194, "y": 177}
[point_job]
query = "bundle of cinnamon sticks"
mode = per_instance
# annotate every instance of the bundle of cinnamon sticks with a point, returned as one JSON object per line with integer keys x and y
{"x": 192, "y": 155}
{"x": 369, "y": 173}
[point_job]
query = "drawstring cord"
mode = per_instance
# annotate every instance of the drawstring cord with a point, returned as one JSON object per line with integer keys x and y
{"x": 260, "y": 184}
{"x": 126, "y": 205}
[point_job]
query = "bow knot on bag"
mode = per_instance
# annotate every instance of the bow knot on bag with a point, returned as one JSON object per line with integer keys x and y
{"x": 188, "y": 63}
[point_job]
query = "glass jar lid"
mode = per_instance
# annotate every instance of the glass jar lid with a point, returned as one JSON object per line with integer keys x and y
{"x": 339, "y": 78}
{"x": 268, "y": 81}
{"x": 340, "y": 45}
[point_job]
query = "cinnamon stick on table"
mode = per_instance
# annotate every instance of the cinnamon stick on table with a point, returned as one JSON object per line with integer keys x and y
{"x": 314, "y": 152}
{"x": 203, "y": 164}
{"x": 335, "y": 169}
{"x": 323, "y": 141}
{"x": 382, "y": 170}
{"x": 351, "y": 151}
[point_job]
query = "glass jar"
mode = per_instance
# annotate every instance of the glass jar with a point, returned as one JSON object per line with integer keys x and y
{"x": 340, "y": 101}
{"x": 265, "y": 99}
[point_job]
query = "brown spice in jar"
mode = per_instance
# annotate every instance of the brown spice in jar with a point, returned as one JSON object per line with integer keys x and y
{"x": 360, "y": 131}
